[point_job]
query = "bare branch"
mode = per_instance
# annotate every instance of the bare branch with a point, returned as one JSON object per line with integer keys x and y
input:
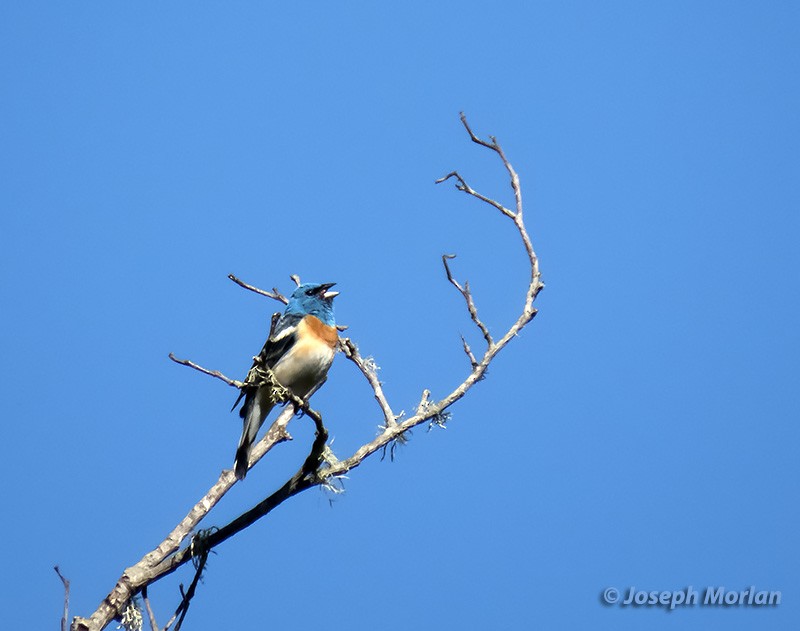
{"x": 369, "y": 370}
{"x": 302, "y": 405}
{"x": 468, "y": 351}
{"x": 321, "y": 467}
{"x": 427, "y": 410}
{"x": 474, "y": 138}
{"x": 200, "y": 564}
{"x": 206, "y": 371}
{"x": 463, "y": 186}
{"x": 150, "y": 616}
{"x": 424, "y": 401}
{"x": 536, "y": 284}
{"x": 148, "y": 569}
{"x": 306, "y": 477}
{"x": 167, "y": 558}
{"x": 65, "y": 582}
{"x": 465, "y": 292}
{"x": 174, "y": 615}
{"x": 274, "y": 294}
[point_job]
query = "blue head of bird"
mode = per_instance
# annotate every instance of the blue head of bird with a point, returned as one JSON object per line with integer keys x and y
{"x": 313, "y": 299}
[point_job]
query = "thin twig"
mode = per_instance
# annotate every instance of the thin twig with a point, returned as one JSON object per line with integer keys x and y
{"x": 65, "y": 582}
{"x": 495, "y": 146}
{"x": 424, "y": 401}
{"x": 536, "y": 284}
{"x": 463, "y": 186}
{"x": 150, "y": 615}
{"x": 177, "y": 611}
{"x": 274, "y": 294}
{"x": 468, "y": 351}
{"x": 369, "y": 370}
{"x": 473, "y": 137}
{"x": 467, "y": 294}
{"x": 183, "y": 608}
{"x": 211, "y": 373}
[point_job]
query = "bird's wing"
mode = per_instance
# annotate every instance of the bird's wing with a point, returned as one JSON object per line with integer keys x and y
{"x": 277, "y": 345}
{"x": 282, "y": 339}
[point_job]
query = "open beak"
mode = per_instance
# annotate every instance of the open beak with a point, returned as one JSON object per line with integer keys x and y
{"x": 328, "y": 295}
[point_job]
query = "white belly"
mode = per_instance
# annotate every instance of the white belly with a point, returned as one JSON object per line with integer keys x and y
{"x": 304, "y": 365}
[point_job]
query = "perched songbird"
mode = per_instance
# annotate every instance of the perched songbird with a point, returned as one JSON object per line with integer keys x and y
{"x": 299, "y": 352}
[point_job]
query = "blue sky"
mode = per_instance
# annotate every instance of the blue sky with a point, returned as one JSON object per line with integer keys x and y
{"x": 641, "y": 432}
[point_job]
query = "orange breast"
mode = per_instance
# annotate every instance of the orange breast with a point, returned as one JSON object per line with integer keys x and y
{"x": 327, "y": 334}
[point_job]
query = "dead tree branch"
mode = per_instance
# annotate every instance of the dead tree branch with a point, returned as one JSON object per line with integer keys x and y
{"x": 429, "y": 411}
{"x": 211, "y": 373}
{"x": 144, "y": 572}
{"x": 467, "y": 294}
{"x": 369, "y": 369}
{"x": 200, "y": 560}
{"x": 167, "y": 557}
{"x": 65, "y": 582}
{"x": 321, "y": 468}
{"x": 274, "y": 294}
{"x": 305, "y": 478}
{"x": 150, "y": 615}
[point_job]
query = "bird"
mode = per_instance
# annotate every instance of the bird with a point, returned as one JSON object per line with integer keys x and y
{"x": 299, "y": 351}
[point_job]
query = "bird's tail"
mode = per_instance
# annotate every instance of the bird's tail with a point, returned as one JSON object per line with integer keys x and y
{"x": 255, "y": 413}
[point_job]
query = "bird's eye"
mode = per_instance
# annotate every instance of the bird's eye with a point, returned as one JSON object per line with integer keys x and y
{"x": 309, "y": 292}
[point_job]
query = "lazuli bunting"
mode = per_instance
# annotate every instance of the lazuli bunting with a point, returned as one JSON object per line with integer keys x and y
{"x": 299, "y": 352}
